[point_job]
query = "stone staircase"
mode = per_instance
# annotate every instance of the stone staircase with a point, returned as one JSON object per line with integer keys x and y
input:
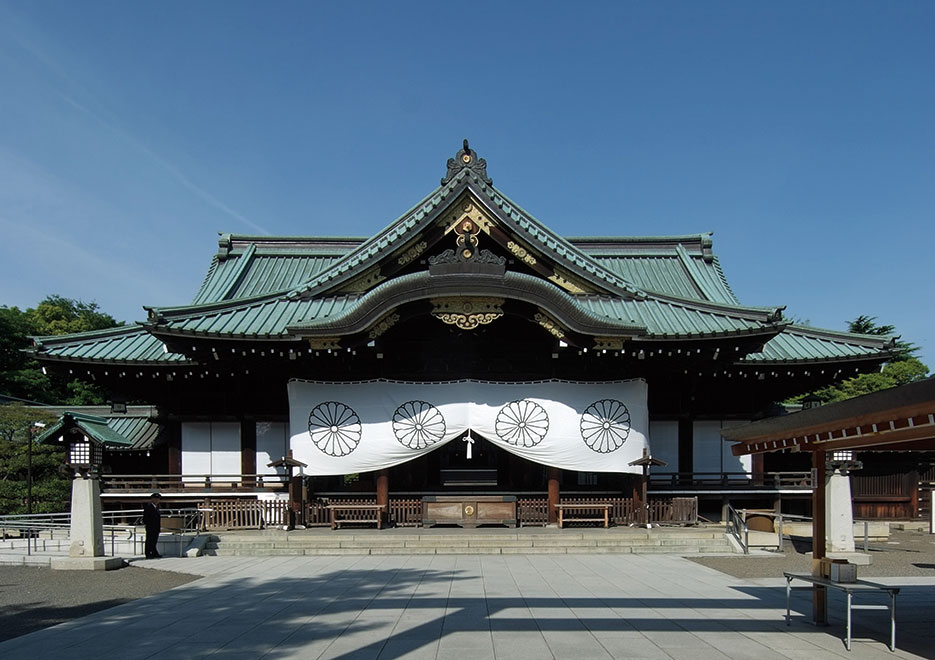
{"x": 483, "y": 541}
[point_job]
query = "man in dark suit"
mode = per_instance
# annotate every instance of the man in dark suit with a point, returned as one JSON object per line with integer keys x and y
{"x": 151, "y": 518}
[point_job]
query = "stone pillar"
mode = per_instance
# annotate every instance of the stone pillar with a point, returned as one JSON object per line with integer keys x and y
{"x": 87, "y": 522}
{"x": 554, "y": 476}
{"x": 839, "y": 516}
{"x": 87, "y": 530}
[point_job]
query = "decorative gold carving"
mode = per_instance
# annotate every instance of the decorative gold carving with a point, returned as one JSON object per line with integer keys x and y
{"x": 562, "y": 279}
{"x": 609, "y": 343}
{"x": 521, "y": 253}
{"x": 364, "y": 282}
{"x": 549, "y": 324}
{"x": 466, "y": 211}
{"x": 412, "y": 253}
{"x": 467, "y": 313}
{"x": 324, "y": 343}
{"x": 385, "y": 324}
{"x": 468, "y": 510}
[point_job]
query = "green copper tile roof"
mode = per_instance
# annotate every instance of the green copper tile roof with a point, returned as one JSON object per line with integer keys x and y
{"x": 271, "y": 317}
{"x": 142, "y": 432}
{"x": 261, "y": 318}
{"x": 526, "y": 224}
{"x": 268, "y": 265}
{"x": 665, "y": 319}
{"x": 92, "y": 426}
{"x": 799, "y": 343}
{"x": 125, "y": 344}
{"x": 391, "y": 236}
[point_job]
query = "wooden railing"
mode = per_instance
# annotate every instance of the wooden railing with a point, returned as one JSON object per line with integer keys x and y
{"x": 405, "y": 512}
{"x": 532, "y": 511}
{"x": 244, "y": 513}
{"x": 731, "y": 480}
{"x": 193, "y": 483}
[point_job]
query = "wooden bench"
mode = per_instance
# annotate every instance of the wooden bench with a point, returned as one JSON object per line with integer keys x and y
{"x": 586, "y": 512}
{"x": 357, "y": 512}
{"x": 850, "y": 589}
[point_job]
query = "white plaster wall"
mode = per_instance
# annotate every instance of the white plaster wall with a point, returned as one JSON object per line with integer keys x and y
{"x": 196, "y": 448}
{"x": 712, "y": 453}
{"x": 730, "y": 462}
{"x": 706, "y": 446}
{"x": 225, "y": 448}
{"x": 271, "y": 439}
{"x": 664, "y": 444}
{"x": 210, "y": 448}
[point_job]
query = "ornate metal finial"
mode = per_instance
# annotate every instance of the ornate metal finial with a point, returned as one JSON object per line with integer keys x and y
{"x": 467, "y": 159}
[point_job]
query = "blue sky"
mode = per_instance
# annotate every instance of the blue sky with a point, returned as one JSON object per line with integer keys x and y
{"x": 800, "y": 133}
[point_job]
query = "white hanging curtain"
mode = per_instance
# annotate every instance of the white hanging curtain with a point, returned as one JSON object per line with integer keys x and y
{"x": 343, "y": 428}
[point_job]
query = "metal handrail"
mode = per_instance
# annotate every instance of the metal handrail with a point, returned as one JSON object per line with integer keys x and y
{"x": 33, "y": 525}
{"x": 736, "y": 525}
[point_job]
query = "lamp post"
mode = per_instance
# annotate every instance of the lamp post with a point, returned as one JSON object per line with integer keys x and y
{"x": 646, "y": 462}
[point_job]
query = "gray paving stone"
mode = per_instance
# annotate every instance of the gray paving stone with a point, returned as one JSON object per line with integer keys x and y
{"x": 471, "y": 608}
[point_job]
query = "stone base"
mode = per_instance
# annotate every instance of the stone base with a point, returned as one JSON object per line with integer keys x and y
{"x": 86, "y": 563}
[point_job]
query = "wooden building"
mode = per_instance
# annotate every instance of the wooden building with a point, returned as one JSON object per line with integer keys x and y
{"x": 465, "y": 287}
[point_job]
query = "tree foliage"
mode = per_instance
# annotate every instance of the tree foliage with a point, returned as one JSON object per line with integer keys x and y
{"x": 902, "y": 369}
{"x": 50, "y": 490}
{"x": 20, "y": 375}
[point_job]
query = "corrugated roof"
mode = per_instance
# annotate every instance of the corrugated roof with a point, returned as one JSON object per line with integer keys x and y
{"x": 802, "y": 343}
{"x": 142, "y": 432}
{"x": 124, "y": 344}
{"x": 664, "y": 319}
{"x": 92, "y": 426}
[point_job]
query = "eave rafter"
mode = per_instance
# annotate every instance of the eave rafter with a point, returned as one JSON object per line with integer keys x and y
{"x": 868, "y": 422}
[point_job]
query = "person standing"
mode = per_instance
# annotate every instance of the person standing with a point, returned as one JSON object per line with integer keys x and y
{"x": 152, "y": 520}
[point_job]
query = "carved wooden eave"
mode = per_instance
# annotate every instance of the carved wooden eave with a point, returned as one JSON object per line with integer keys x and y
{"x": 560, "y": 307}
{"x": 467, "y": 312}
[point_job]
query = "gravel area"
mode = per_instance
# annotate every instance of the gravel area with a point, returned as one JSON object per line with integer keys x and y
{"x": 907, "y": 553}
{"x": 32, "y": 598}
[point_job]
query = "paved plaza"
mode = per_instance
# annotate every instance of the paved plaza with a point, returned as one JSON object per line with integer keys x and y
{"x": 474, "y": 608}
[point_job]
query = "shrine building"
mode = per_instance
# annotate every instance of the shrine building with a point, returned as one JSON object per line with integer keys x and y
{"x": 465, "y": 347}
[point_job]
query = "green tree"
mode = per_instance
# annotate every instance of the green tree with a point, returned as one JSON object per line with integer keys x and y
{"x": 903, "y": 367}
{"x": 20, "y": 375}
{"x": 50, "y": 490}
{"x": 867, "y": 325}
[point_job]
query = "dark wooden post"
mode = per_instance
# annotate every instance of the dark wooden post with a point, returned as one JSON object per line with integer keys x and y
{"x": 383, "y": 491}
{"x": 554, "y": 476}
{"x": 248, "y": 451}
{"x": 686, "y": 449}
{"x": 819, "y": 594}
{"x": 174, "y": 453}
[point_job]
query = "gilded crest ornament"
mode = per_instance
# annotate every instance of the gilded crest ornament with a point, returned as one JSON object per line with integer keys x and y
{"x": 467, "y": 313}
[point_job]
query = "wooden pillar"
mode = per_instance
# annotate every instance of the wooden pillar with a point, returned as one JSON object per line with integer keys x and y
{"x": 174, "y": 453}
{"x": 554, "y": 476}
{"x": 686, "y": 447}
{"x": 248, "y": 451}
{"x": 758, "y": 469}
{"x": 383, "y": 490}
{"x": 819, "y": 594}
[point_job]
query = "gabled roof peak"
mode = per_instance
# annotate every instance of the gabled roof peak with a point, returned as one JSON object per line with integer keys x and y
{"x": 466, "y": 159}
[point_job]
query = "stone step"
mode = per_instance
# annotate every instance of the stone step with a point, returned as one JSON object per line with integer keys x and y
{"x": 386, "y": 542}
{"x": 460, "y": 550}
